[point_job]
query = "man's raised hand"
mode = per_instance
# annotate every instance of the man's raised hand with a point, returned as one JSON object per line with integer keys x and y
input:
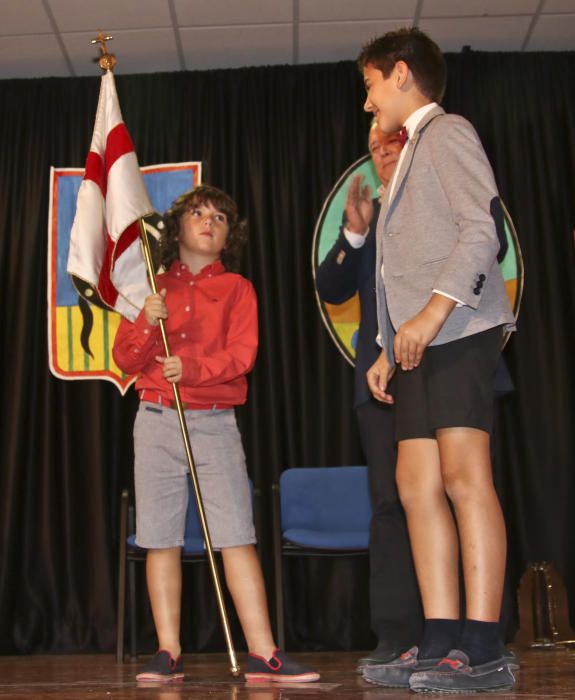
{"x": 358, "y": 206}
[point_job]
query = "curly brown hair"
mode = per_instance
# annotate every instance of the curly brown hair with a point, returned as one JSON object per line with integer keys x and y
{"x": 204, "y": 194}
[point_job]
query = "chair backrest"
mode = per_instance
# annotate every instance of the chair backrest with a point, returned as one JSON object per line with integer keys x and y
{"x": 193, "y": 537}
{"x": 331, "y": 499}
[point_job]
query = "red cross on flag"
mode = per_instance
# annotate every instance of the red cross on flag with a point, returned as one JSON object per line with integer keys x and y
{"x": 104, "y": 242}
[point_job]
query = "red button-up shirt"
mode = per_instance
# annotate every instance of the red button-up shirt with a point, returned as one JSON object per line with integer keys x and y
{"x": 212, "y": 325}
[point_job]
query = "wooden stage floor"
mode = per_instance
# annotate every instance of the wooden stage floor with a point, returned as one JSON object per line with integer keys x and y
{"x": 544, "y": 674}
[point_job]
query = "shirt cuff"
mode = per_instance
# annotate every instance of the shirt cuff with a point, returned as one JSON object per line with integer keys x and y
{"x": 190, "y": 372}
{"x": 145, "y": 335}
{"x": 459, "y": 303}
{"x": 355, "y": 240}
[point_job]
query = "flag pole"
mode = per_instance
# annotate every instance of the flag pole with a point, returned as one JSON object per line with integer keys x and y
{"x": 107, "y": 62}
{"x": 234, "y": 668}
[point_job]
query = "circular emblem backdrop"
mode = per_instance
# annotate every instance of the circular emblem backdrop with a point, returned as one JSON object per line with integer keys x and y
{"x": 342, "y": 320}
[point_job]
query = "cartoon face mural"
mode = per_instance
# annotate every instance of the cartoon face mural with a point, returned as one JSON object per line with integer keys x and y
{"x": 342, "y": 320}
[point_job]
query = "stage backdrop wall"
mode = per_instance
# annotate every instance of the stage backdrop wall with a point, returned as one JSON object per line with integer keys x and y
{"x": 276, "y": 139}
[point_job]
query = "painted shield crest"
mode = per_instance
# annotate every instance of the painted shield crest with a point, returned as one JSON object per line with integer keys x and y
{"x": 81, "y": 328}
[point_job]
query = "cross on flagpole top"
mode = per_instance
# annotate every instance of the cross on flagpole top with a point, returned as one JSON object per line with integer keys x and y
{"x": 107, "y": 60}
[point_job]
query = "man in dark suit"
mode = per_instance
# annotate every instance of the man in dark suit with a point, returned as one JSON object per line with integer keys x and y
{"x": 396, "y": 615}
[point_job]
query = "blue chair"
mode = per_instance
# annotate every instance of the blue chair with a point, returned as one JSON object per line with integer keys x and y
{"x": 130, "y": 554}
{"x": 318, "y": 511}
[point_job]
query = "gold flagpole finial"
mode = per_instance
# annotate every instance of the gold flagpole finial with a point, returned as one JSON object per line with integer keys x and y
{"x": 107, "y": 60}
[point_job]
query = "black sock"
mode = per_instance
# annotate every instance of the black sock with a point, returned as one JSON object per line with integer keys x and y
{"x": 481, "y": 641}
{"x": 439, "y": 638}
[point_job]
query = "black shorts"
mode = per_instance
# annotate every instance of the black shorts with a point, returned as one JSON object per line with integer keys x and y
{"x": 453, "y": 387}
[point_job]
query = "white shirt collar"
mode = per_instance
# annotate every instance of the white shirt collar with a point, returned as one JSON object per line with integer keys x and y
{"x": 412, "y": 122}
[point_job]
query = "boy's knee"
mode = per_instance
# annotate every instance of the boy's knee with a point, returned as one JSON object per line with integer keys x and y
{"x": 412, "y": 491}
{"x": 403, "y": 485}
{"x": 455, "y": 487}
{"x": 462, "y": 485}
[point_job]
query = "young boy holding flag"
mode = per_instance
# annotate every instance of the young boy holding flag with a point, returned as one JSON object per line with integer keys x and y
{"x": 211, "y": 321}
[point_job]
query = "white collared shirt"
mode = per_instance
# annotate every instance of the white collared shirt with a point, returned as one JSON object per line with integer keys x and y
{"x": 411, "y": 124}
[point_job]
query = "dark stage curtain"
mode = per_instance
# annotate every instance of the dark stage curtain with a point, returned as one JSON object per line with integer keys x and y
{"x": 277, "y": 139}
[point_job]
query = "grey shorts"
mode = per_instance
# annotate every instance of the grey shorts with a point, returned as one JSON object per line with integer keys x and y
{"x": 161, "y": 477}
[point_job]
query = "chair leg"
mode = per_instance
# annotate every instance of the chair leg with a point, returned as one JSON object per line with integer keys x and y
{"x": 132, "y": 592}
{"x": 544, "y": 629}
{"x": 278, "y": 567}
{"x": 121, "y": 609}
{"x": 256, "y": 506}
{"x": 133, "y": 606}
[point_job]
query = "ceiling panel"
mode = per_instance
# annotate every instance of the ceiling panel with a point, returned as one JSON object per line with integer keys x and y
{"x": 14, "y": 20}
{"x": 74, "y": 16}
{"x": 477, "y": 8}
{"x": 145, "y": 51}
{"x": 231, "y": 33}
{"x": 31, "y": 57}
{"x": 559, "y": 6}
{"x": 481, "y": 33}
{"x": 553, "y": 32}
{"x": 196, "y": 13}
{"x": 234, "y": 47}
{"x": 330, "y": 10}
{"x": 338, "y": 41}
